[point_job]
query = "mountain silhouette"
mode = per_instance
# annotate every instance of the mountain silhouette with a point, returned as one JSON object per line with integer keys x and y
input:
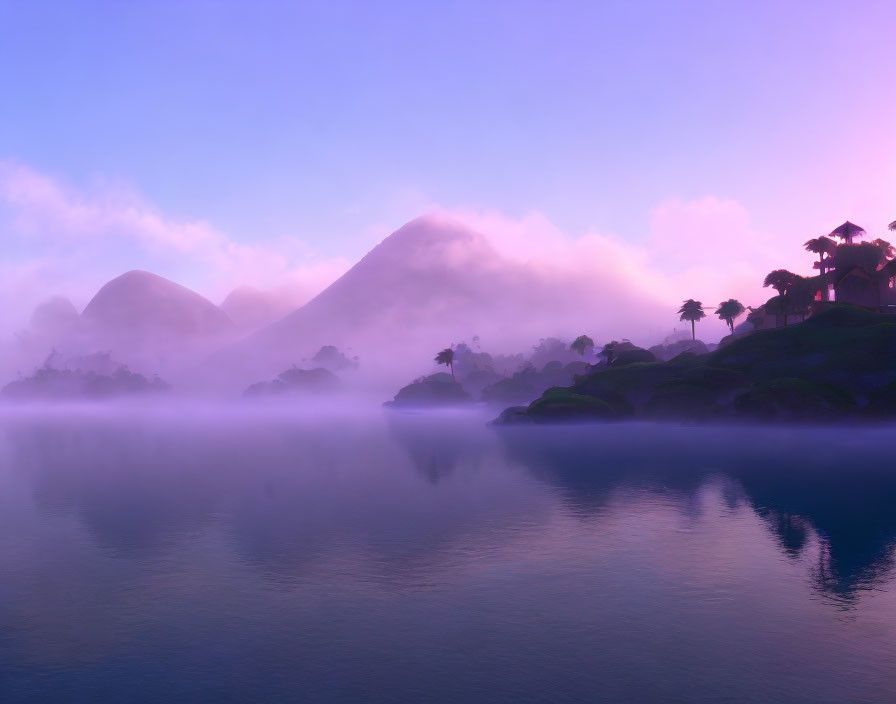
{"x": 151, "y": 322}
{"x": 250, "y": 308}
{"x": 434, "y": 281}
{"x": 142, "y": 302}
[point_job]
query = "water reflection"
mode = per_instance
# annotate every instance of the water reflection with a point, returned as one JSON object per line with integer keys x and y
{"x": 403, "y": 558}
{"x": 798, "y": 481}
{"x": 292, "y": 493}
{"x": 437, "y": 448}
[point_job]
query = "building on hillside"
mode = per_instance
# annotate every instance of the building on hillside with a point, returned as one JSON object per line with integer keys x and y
{"x": 859, "y": 274}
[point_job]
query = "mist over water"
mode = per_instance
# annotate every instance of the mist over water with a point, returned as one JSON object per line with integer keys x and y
{"x": 266, "y": 553}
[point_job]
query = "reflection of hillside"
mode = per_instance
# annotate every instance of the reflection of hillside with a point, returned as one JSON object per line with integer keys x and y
{"x": 288, "y": 498}
{"x": 797, "y": 481}
{"x": 436, "y": 449}
{"x": 121, "y": 482}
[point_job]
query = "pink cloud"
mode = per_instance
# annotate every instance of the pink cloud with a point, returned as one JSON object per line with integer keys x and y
{"x": 70, "y": 241}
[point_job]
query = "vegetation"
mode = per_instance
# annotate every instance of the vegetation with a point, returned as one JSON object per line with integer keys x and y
{"x": 431, "y": 391}
{"x": 780, "y": 280}
{"x": 730, "y": 310}
{"x": 446, "y": 357}
{"x": 756, "y": 318}
{"x": 582, "y": 344}
{"x": 529, "y": 383}
{"x": 330, "y": 357}
{"x": 49, "y": 383}
{"x": 692, "y": 311}
{"x": 822, "y": 246}
{"x": 297, "y": 381}
{"x": 885, "y": 247}
{"x": 835, "y": 366}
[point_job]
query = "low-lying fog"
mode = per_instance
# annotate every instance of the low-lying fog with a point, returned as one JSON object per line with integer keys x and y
{"x": 433, "y": 284}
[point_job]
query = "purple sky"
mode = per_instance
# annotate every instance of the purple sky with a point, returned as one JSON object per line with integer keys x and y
{"x": 276, "y": 142}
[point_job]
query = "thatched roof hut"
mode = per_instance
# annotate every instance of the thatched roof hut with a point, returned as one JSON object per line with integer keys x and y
{"x": 847, "y": 231}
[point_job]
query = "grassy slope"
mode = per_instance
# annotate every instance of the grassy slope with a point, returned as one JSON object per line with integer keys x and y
{"x": 832, "y": 365}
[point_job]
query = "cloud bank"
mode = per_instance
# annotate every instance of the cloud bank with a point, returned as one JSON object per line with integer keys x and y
{"x": 62, "y": 240}
{"x": 68, "y": 241}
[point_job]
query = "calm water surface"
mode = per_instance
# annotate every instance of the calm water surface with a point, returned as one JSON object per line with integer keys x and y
{"x": 252, "y": 556}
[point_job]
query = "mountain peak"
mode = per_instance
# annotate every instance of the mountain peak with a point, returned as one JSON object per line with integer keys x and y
{"x": 140, "y": 299}
{"x": 429, "y": 241}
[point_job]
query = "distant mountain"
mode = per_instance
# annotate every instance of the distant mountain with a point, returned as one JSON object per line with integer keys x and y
{"x": 56, "y": 315}
{"x": 433, "y": 282}
{"x": 153, "y": 323}
{"x": 139, "y": 302}
{"x": 250, "y": 308}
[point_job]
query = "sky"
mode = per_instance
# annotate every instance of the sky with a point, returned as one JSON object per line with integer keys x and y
{"x": 274, "y": 143}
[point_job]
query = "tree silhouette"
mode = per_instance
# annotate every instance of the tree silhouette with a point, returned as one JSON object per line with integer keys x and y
{"x": 446, "y": 357}
{"x": 798, "y": 298}
{"x": 885, "y": 247}
{"x": 892, "y": 225}
{"x": 780, "y": 280}
{"x": 847, "y": 231}
{"x": 822, "y": 246}
{"x": 729, "y": 310}
{"x": 582, "y": 343}
{"x": 865, "y": 255}
{"x": 612, "y": 350}
{"x": 756, "y": 317}
{"x": 692, "y": 311}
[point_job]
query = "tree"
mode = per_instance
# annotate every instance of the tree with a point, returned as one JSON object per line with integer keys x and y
{"x": 847, "y": 231}
{"x": 798, "y": 298}
{"x": 892, "y": 225}
{"x": 780, "y": 280}
{"x": 822, "y": 246}
{"x": 865, "y": 255}
{"x": 612, "y": 350}
{"x": 446, "y": 357}
{"x": 885, "y": 247}
{"x": 756, "y": 317}
{"x": 609, "y": 351}
{"x": 692, "y": 311}
{"x": 729, "y": 310}
{"x": 582, "y": 343}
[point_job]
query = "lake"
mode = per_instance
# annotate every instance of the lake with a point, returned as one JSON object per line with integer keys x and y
{"x": 265, "y": 555}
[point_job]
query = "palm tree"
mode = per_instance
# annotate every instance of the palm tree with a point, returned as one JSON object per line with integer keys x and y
{"x": 446, "y": 357}
{"x": 692, "y": 311}
{"x": 729, "y": 310}
{"x": 847, "y": 231}
{"x": 780, "y": 280}
{"x": 582, "y": 343}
